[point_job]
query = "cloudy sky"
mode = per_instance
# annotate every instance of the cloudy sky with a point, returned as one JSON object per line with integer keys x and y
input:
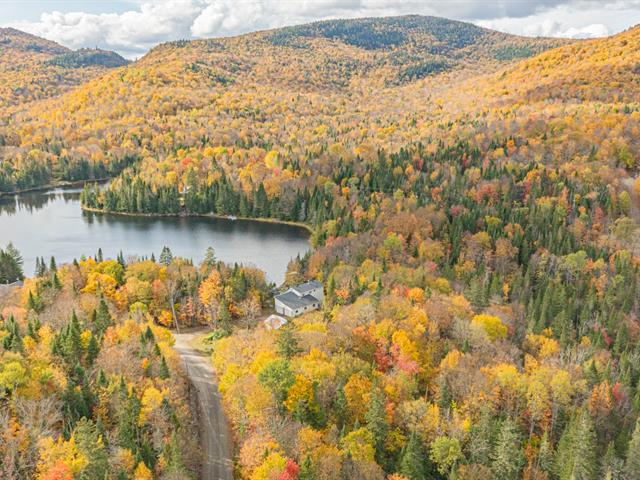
{"x": 131, "y": 27}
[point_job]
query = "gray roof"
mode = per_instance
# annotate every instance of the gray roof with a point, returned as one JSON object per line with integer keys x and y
{"x": 307, "y": 287}
{"x": 293, "y": 301}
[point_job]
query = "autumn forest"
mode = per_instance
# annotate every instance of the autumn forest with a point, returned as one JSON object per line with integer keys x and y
{"x": 473, "y": 210}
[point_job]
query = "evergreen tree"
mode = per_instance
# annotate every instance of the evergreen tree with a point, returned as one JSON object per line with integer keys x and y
{"x": 575, "y": 459}
{"x": 10, "y": 265}
{"x": 224, "y": 316}
{"x": 507, "y": 458}
{"x": 55, "y": 280}
{"x": 16, "y": 259}
{"x": 612, "y": 466}
{"x": 412, "y": 463}
{"x": 93, "y": 349}
{"x": 377, "y": 422}
{"x": 340, "y": 408}
{"x": 545, "y": 454}
{"x": 481, "y": 439}
{"x": 148, "y": 335}
{"x": 164, "y": 369}
{"x": 128, "y": 414}
{"x": 33, "y": 327}
{"x": 477, "y": 295}
{"x": 307, "y": 471}
{"x": 210, "y": 257}
{"x": 166, "y": 257}
{"x": 72, "y": 342}
{"x": 89, "y": 443}
{"x": 102, "y": 379}
{"x": 102, "y": 319}
{"x": 444, "y": 397}
{"x": 77, "y": 399}
{"x": 632, "y": 465}
{"x": 173, "y": 457}
{"x": 13, "y": 340}
{"x": 33, "y": 303}
{"x": 244, "y": 209}
{"x": 287, "y": 342}
{"x": 585, "y": 461}
{"x": 40, "y": 268}
{"x": 260, "y": 202}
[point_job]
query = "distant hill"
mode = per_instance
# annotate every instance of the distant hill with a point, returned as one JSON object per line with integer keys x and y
{"x": 606, "y": 70}
{"x": 87, "y": 57}
{"x": 577, "y": 106}
{"x": 32, "y": 68}
{"x": 394, "y": 50}
{"x": 19, "y": 41}
{"x": 379, "y": 82}
{"x": 432, "y": 35}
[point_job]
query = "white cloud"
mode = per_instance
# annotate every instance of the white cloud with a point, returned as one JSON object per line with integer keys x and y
{"x": 550, "y": 28}
{"x": 149, "y": 22}
{"x": 131, "y": 32}
{"x": 573, "y": 20}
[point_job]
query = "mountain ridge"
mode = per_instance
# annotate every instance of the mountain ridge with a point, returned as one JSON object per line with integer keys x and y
{"x": 34, "y": 68}
{"x": 244, "y": 92}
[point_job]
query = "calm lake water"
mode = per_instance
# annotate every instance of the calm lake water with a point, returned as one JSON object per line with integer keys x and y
{"x": 42, "y": 224}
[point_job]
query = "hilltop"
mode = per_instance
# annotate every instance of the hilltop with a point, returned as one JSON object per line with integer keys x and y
{"x": 33, "y": 68}
{"x": 389, "y": 51}
{"x": 15, "y": 40}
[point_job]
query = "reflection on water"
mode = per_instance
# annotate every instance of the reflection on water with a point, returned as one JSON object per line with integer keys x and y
{"x": 52, "y": 223}
{"x": 31, "y": 201}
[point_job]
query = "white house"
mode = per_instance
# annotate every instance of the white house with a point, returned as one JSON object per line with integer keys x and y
{"x": 300, "y": 299}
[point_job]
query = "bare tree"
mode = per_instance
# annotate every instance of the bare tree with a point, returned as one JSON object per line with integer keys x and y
{"x": 251, "y": 309}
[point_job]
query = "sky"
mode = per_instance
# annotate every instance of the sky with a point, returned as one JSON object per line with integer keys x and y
{"x": 132, "y": 27}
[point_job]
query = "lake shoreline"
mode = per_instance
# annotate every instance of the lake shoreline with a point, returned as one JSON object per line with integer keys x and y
{"x": 52, "y": 186}
{"x": 267, "y": 244}
{"x": 201, "y": 215}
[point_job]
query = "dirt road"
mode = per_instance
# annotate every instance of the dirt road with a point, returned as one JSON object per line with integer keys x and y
{"x": 215, "y": 441}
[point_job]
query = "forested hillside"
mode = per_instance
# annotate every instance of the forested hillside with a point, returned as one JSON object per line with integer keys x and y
{"x": 87, "y": 391}
{"x": 32, "y": 68}
{"x": 302, "y": 89}
{"x": 90, "y": 386}
{"x": 475, "y": 217}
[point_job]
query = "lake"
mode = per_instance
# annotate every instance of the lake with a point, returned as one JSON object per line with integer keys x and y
{"x": 51, "y": 223}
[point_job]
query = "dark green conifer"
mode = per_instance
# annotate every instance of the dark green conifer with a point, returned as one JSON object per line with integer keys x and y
{"x": 93, "y": 349}
{"x": 507, "y": 458}
{"x": 413, "y": 460}
{"x": 163, "y": 371}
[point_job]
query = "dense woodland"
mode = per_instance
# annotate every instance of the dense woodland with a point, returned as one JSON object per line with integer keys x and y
{"x": 90, "y": 387}
{"x": 474, "y": 215}
{"x": 301, "y": 93}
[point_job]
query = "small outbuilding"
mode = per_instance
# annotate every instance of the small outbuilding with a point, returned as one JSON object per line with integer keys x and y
{"x": 274, "y": 322}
